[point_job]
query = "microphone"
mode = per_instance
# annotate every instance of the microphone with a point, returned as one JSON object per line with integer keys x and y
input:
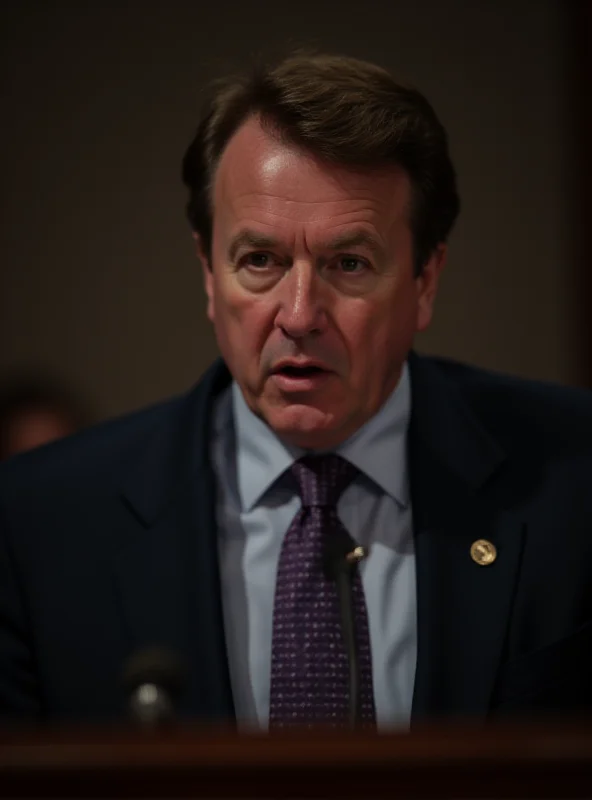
{"x": 153, "y": 679}
{"x": 341, "y": 557}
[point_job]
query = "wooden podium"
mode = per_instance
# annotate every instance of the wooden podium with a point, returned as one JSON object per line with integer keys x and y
{"x": 461, "y": 761}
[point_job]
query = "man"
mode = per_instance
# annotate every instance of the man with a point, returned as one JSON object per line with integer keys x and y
{"x": 321, "y": 199}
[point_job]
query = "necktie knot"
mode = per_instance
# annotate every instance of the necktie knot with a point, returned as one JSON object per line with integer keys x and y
{"x": 322, "y": 479}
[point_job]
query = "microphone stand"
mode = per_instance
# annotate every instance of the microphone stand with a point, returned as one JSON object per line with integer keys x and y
{"x": 342, "y": 556}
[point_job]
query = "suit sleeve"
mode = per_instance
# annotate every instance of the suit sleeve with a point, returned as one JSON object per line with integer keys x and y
{"x": 19, "y": 689}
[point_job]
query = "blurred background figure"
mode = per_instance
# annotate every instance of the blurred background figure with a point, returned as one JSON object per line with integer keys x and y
{"x": 35, "y": 410}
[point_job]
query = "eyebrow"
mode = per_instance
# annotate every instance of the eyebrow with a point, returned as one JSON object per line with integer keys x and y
{"x": 250, "y": 239}
{"x": 356, "y": 239}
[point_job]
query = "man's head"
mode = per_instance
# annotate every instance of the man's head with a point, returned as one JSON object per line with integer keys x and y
{"x": 321, "y": 197}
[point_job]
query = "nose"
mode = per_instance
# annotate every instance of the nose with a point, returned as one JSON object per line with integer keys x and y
{"x": 301, "y": 312}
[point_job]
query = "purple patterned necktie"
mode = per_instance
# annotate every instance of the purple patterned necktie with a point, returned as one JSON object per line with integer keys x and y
{"x": 309, "y": 664}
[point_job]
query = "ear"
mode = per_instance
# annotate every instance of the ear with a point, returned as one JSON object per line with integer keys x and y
{"x": 427, "y": 286}
{"x": 206, "y": 269}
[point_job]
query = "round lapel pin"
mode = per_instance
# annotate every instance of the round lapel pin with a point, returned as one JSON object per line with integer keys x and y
{"x": 483, "y": 552}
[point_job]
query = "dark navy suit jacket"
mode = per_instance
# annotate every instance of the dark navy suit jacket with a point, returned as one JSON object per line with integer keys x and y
{"x": 108, "y": 545}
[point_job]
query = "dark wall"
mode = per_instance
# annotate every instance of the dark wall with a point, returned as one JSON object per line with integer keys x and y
{"x": 98, "y": 280}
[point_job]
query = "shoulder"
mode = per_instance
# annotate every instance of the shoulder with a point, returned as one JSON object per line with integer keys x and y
{"x": 104, "y": 454}
{"x": 488, "y": 389}
{"x": 95, "y": 453}
{"x": 516, "y": 408}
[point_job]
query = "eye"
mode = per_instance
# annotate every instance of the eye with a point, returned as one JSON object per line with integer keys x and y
{"x": 352, "y": 264}
{"x": 257, "y": 260}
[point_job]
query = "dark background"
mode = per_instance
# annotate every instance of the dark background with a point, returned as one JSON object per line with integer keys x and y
{"x": 98, "y": 282}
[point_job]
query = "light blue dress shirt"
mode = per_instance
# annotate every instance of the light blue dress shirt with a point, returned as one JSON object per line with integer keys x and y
{"x": 254, "y": 510}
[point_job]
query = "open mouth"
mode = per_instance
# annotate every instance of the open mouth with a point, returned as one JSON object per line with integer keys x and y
{"x": 300, "y": 377}
{"x": 300, "y": 372}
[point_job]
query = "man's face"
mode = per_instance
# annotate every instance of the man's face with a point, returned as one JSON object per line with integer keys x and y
{"x": 311, "y": 287}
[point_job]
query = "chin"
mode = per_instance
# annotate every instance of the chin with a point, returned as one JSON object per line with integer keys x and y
{"x": 306, "y": 427}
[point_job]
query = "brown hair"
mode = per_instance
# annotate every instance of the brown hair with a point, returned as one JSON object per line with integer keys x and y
{"x": 344, "y": 111}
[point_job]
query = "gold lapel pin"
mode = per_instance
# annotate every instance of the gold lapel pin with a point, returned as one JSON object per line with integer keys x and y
{"x": 483, "y": 552}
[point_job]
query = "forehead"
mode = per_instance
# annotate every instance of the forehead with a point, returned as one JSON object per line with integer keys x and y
{"x": 259, "y": 174}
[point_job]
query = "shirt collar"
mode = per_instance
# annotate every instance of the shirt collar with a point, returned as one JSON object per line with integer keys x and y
{"x": 378, "y": 448}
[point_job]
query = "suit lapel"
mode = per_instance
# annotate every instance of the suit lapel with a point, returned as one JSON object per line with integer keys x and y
{"x": 459, "y": 494}
{"x": 167, "y": 573}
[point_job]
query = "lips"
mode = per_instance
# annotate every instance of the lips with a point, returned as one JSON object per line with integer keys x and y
{"x": 299, "y": 376}
{"x": 299, "y": 369}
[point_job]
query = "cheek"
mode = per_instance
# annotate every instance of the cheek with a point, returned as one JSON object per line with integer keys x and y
{"x": 380, "y": 332}
{"x": 241, "y": 322}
